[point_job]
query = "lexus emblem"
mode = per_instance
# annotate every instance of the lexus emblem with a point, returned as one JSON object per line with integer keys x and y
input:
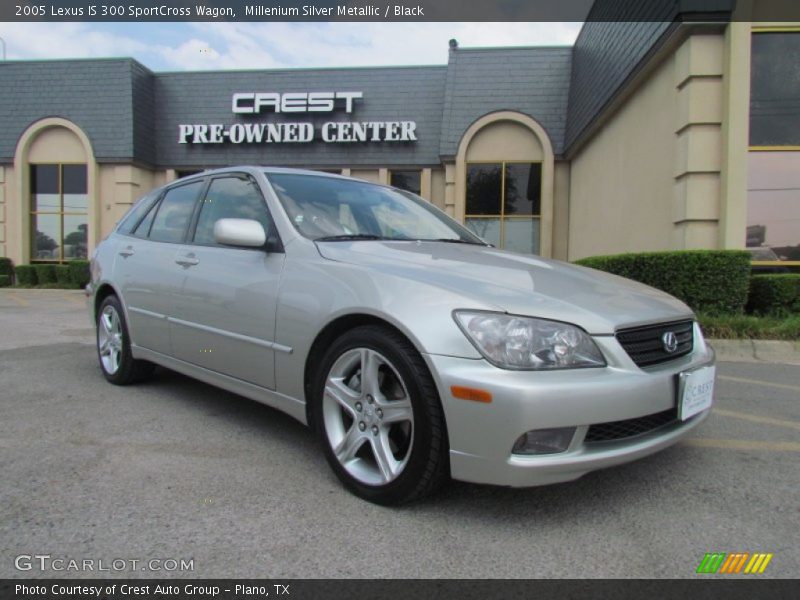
{"x": 670, "y": 342}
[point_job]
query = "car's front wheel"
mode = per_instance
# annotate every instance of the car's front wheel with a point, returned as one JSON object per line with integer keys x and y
{"x": 378, "y": 415}
{"x": 114, "y": 346}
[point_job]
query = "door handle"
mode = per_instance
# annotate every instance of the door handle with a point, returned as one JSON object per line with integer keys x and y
{"x": 127, "y": 251}
{"x": 187, "y": 261}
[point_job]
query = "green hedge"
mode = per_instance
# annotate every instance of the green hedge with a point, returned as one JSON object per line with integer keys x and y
{"x": 64, "y": 276}
{"x": 45, "y": 273}
{"x": 7, "y": 268}
{"x": 25, "y": 275}
{"x": 774, "y": 294}
{"x": 5, "y": 281}
{"x": 74, "y": 274}
{"x": 709, "y": 281}
{"x": 79, "y": 272}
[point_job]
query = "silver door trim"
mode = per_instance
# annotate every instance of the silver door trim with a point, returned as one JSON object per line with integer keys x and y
{"x": 147, "y": 313}
{"x": 236, "y": 336}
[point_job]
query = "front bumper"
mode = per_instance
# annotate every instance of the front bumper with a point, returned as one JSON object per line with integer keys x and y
{"x": 481, "y": 435}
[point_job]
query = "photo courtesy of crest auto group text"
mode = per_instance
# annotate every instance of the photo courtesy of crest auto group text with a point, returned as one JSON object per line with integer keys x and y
{"x": 313, "y": 298}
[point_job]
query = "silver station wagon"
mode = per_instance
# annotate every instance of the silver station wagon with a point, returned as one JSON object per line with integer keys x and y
{"x": 415, "y": 350}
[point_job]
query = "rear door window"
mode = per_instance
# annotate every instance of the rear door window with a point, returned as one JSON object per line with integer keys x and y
{"x": 175, "y": 212}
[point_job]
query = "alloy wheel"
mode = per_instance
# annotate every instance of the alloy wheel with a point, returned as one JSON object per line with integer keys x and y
{"x": 368, "y": 416}
{"x": 109, "y": 339}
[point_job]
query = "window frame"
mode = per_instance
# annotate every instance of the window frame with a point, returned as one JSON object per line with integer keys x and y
{"x": 61, "y": 213}
{"x": 502, "y": 215}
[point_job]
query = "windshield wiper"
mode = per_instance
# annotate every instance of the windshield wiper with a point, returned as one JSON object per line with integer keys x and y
{"x": 453, "y": 241}
{"x": 350, "y": 236}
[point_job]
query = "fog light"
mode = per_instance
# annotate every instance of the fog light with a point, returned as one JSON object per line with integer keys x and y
{"x": 544, "y": 441}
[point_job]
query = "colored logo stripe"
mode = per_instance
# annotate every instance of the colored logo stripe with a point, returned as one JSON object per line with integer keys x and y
{"x": 758, "y": 563}
{"x": 734, "y": 563}
{"x": 711, "y": 562}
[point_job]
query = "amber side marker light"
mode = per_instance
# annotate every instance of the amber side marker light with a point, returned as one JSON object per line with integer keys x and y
{"x": 465, "y": 393}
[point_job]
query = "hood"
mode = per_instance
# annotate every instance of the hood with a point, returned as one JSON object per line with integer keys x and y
{"x": 515, "y": 283}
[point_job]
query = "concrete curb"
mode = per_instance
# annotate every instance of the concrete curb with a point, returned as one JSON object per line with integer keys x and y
{"x": 757, "y": 351}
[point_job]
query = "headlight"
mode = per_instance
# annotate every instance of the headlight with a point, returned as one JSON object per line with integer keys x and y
{"x": 512, "y": 342}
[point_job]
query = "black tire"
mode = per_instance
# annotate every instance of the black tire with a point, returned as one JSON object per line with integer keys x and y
{"x": 427, "y": 466}
{"x": 130, "y": 370}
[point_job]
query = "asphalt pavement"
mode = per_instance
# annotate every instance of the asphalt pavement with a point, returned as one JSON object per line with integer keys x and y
{"x": 174, "y": 469}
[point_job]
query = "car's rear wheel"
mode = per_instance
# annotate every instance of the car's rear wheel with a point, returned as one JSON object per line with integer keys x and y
{"x": 114, "y": 346}
{"x": 378, "y": 415}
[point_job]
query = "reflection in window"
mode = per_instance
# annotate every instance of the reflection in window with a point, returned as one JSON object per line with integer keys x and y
{"x": 775, "y": 89}
{"x": 773, "y": 206}
{"x": 503, "y": 204}
{"x": 229, "y": 198}
{"x": 59, "y": 205}
{"x": 135, "y": 213}
{"x": 326, "y": 206}
{"x": 173, "y": 214}
{"x": 410, "y": 181}
{"x": 143, "y": 229}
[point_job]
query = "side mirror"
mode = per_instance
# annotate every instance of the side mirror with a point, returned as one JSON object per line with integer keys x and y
{"x": 240, "y": 232}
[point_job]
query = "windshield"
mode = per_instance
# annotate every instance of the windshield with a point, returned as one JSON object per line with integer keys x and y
{"x": 330, "y": 209}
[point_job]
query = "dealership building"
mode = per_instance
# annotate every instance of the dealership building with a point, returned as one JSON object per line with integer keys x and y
{"x": 654, "y": 135}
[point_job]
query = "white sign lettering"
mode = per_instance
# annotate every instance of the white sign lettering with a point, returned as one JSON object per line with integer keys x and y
{"x": 251, "y": 103}
{"x": 248, "y": 103}
{"x": 270, "y": 133}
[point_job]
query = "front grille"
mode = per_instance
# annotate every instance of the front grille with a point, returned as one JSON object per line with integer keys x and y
{"x": 645, "y": 346}
{"x": 620, "y": 430}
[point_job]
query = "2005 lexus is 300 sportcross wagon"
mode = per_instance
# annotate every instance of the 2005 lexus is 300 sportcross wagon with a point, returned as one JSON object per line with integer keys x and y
{"x": 414, "y": 349}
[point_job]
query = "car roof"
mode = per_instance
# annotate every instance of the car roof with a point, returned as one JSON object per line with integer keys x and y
{"x": 261, "y": 169}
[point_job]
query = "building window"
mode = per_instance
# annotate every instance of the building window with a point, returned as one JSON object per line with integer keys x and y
{"x": 775, "y": 89}
{"x": 773, "y": 206}
{"x": 773, "y": 189}
{"x": 409, "y": 181}
{"x": 59, "y": 207}
{"x": 504, "y": 204}
{"x": 181, "y": 173}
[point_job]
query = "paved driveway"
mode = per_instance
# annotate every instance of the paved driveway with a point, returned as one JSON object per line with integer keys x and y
{"x": 175, "y": 469}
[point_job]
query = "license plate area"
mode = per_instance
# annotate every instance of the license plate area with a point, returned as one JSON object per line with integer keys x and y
{"x": 695, "y": 391}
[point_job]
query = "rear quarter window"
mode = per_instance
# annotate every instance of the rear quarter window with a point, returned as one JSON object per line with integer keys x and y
{"x": 131, "y": 219}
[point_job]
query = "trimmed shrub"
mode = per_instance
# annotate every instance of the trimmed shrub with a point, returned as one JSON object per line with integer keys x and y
{"x": 25, "y": 275}
{"x": 774, "y": 294}
{"x": 709, "y": 281}
{"x": 7, "y": 268}
{"x": 5, "y": 281}
{"x": 64, "y": 276}
{"x": 79, "y": 272}
{"x": 45, "y": 274}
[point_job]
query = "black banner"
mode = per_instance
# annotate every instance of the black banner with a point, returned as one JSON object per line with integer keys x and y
{"x": 731, "y": 588}
{"x": 399, "y": 10}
